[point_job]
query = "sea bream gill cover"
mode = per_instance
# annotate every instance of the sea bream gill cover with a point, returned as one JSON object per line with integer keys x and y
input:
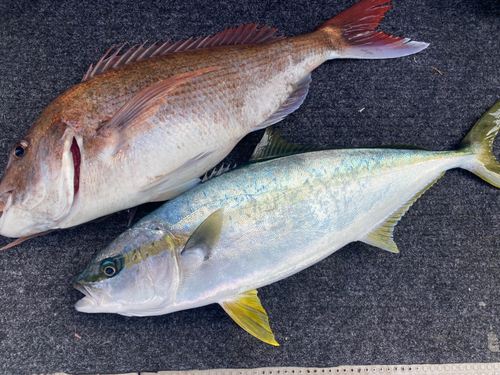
{"x": 144, "y": 124}
{"x": 258, "y": 224}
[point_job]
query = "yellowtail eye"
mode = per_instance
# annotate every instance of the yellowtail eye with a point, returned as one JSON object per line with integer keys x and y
{"x": 20, "y": 149}
{"x": 108, "y": 269}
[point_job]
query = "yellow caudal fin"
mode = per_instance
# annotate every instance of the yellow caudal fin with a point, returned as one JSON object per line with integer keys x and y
{"x": 247, "y": 311}
{"x": 479, "y": 141}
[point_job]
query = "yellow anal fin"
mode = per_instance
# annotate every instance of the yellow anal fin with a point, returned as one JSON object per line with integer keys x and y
{"x": 382, "y": 236}
{"x": 247, "y": 311}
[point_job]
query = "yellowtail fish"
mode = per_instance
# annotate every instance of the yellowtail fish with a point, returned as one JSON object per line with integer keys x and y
{"x": 263, "y": 222}
{"x": 145, "y": 124}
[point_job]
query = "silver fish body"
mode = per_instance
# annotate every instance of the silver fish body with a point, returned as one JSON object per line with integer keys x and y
{"x": 261, "y": 223}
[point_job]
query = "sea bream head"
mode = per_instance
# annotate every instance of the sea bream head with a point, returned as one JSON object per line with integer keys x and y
{"x": 41, "y": 180}
{"x": 136, "y": 275}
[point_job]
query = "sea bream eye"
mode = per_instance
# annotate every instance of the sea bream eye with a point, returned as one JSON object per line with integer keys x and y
{"x": 20, "y": 149}
{"x": 109, "y": 269}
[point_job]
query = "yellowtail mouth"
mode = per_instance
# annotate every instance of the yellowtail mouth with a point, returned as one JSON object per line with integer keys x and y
{"x": 81, "y": 288}
{"x": 86, "y": 305}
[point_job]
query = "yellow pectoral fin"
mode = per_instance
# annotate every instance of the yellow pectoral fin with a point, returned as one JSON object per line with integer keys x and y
{"x": 247, "y": 311}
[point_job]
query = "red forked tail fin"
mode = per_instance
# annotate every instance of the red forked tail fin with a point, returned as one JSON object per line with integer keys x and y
{"x": 353, "y": 34}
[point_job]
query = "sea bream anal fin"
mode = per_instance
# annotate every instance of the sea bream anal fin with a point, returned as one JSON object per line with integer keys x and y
{"x": 243, "y": 34}
{"x": 247, "y": 311}
{"x": 272, "y": 146}
{"x": 382, "y": 237}
{"x": 291, "y": 104}
{"x": 206, "y": 236}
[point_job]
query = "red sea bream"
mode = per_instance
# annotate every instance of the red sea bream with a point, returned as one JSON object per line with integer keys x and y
{"x": 144, "y": 125}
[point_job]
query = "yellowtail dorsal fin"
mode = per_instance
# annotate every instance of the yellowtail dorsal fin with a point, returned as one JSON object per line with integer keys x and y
{"x": 247, "y": 311}
{"x": 382, "y": 236}
{"x": 273, "y": 146}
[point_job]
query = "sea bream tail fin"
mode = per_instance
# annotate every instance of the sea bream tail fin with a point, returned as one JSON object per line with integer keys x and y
{"x": 247, "y": 311}
{"x": 479, "y": 141}
{"x": 353, "y": 36}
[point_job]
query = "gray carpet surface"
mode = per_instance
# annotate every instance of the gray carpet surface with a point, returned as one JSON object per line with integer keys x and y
{"x": 437, "y": 301}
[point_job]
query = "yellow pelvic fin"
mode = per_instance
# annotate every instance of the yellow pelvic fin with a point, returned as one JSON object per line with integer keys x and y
{"x": 247, "y": 311}
{"x": 382, "y": 236}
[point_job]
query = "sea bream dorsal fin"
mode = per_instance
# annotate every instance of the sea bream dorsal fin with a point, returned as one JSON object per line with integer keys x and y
{"x": 247, "y": 311}
{"x": 244, "y": 34}
{"x": 382, "y": 237}
{"x": 272, "y": 146}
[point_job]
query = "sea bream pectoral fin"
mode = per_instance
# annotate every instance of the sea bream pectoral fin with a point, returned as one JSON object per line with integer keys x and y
{"x": 206, "y": 236}
{"x": 382, "y": 237}
{"x": 144, "y": 105}
{"x": 247, "y": 311}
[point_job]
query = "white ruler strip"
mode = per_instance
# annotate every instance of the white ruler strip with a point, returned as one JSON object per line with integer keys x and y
{"x": 450, "y": 369}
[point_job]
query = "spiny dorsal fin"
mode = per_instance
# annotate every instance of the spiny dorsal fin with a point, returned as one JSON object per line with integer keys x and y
{"x": 273, "y": 146}
{"x": 247, "y": 311}
{"x": 382, "y": 236}
{"x": 217, "y": 172}
{"x": 206, "y": 236}
{"x": 244, "y": 34}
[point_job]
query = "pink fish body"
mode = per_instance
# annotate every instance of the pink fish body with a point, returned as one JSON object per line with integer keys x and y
{"x": 144, "y": 125}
